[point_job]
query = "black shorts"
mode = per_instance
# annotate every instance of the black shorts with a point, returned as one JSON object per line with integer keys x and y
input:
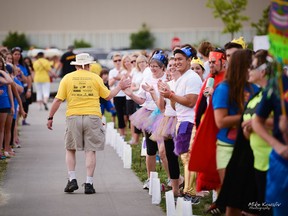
{"x": 130, "y": 107}
{"x": 151, "y": 145}
{"x": 5, "y": 110}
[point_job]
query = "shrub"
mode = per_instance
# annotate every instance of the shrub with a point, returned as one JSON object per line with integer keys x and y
{"x": 14, "y": 39}
{"x": 81, "y": 44}
{"x": 143, "y": 39}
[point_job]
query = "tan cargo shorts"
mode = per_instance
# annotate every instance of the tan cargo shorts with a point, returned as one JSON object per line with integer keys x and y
{"x": 85, "y": 132}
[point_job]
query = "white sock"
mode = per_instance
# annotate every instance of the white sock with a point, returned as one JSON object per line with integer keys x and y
{"x": 89, "y": 179}
{"x": 72, "y": 175}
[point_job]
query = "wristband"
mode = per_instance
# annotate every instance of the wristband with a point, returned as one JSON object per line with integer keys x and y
{"x": 171, "y": 94}
{"x": 50, "y": 118}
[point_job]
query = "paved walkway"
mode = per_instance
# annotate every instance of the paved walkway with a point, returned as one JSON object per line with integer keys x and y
{"x": 36, "y": 177}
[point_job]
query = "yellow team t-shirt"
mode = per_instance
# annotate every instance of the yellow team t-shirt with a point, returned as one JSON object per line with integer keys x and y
{"x": 41, "y": 68}
{"x": 261, "y": 149}
{"x": 82, "y": 90}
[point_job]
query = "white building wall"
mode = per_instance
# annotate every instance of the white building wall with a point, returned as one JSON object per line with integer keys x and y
{"x": 108, "y": 24}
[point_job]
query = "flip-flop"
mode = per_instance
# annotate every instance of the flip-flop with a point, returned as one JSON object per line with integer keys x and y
{"x": 2, "y": 157}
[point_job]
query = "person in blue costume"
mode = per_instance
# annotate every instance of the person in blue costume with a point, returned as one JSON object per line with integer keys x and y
{"x": 277, "y": 175}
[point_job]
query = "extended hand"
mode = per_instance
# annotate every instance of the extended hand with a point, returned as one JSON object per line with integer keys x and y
{"x": 125, "y": 83}
{"x": 147, "y": 87}
{"x": 49, "y": 124}
{"x": 28, "y": 94}
{"x": 208, "y": 91}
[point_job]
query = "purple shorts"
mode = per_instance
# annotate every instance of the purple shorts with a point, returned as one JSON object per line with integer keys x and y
{"x": 182, "y": 139}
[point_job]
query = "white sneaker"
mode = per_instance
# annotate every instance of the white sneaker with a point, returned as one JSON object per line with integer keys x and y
{"x": 132, "y": 142}
{"x": 146, "y": 185}
{"x": 17, "y": 145}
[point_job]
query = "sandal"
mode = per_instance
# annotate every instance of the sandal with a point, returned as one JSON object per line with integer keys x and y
{"x": 2, "y": 157}
{"x": 6, "y": 154}
{"x": 215, "y": 210}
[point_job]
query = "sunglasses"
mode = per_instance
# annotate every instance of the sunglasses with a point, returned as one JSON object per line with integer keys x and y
{"x": 117, "y": 60}
{"x": 133, "y": 61}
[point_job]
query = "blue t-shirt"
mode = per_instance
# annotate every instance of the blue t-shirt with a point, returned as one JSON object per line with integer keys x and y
{"x": 220, "y": 100}
{"x": 18, "y": 82}
{"x": 272, "y": 103}
{"x": 4, "y": 98}
{"x": 23, "y": 69}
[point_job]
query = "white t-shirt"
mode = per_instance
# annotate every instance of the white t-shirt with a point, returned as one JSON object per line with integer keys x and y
{"x": 137, "y": 77}
{"x": 188, "y": 83}
{"x": 147, "y": 72}
{"x": 113, "y": 73}
{"x": 169, "y": 111}
{"x": 149, "y": 102}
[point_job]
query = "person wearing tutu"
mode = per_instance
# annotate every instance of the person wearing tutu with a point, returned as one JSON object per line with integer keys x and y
{"x": 166, "y": 129}
{"x": 187, "y": 89}
{"x": 145, "y": 118}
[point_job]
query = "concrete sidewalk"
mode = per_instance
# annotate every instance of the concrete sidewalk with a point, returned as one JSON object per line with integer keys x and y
{"x": 36, "y": 177}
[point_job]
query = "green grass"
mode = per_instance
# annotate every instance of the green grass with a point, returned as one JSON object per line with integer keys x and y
{"x": 139, "y": 167}
{"x": 3, "y": 167}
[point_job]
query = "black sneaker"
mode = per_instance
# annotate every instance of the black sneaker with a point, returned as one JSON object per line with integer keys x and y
{"x": 46, "y": 107}
{"x": 194, "y": 199}
{"x": 89, "y": 189}
{"x": 71, "y": 186}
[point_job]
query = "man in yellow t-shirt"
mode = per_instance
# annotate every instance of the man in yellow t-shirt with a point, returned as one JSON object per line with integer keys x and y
{"x": 84, "y": 130}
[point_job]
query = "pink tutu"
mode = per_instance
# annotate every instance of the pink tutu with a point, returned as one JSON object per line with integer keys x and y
{"x": 150, "y": 123}
{"x": 166, "y": 128}
{"x": 156, "y": 119}
{"x": 138, "y": 119}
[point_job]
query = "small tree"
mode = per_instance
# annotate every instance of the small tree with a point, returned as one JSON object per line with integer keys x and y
{"x": 143, "y": 39}
{"x": 81, "y": 44}
{"x": 14, "y": 39}
{"x": 230, "y": 13}
{"x": 262, "y": 25}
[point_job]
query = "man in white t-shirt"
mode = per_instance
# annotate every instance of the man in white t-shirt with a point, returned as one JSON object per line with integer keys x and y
{"x": 187, "y": 89}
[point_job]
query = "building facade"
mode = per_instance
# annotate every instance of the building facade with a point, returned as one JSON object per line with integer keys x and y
{"x": 108, "y": 24}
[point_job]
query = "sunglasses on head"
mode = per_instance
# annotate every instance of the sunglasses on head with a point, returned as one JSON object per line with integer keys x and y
{"x": 258, "y": 68}
{"x": 117, "y": 60}
{"x": 16, "y": 49}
